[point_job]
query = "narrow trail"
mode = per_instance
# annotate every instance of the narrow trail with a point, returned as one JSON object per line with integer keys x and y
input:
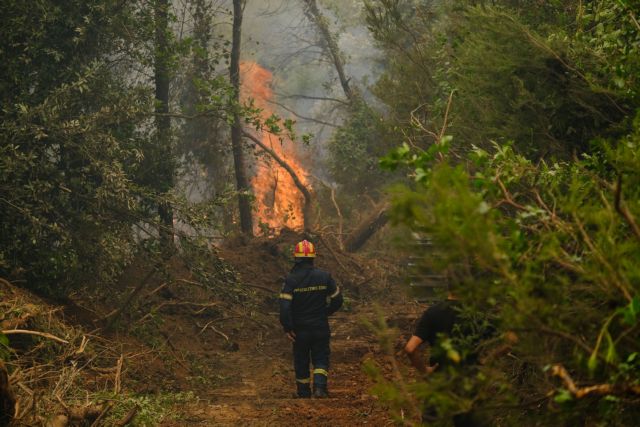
{"x": 261, "y": 391}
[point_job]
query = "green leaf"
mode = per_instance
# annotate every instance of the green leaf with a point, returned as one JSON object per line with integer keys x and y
{"x": 4, "y": 340}
{"x": 592, "y": 364}
{"x": 563, "y": 396}
{"x": 630, "y": 312}
{"x": 611, "y": 355}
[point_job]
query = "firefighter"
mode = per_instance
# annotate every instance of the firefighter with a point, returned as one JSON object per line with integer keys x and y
{"x": 309, "y": 296}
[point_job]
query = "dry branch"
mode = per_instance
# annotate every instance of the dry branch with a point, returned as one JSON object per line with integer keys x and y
{"x": 116, "y": 382}
{"x": 115, "y": 314}
{"x": 596, "y": 390}
{"x": 622, "y": 209}
{"x": 263, "y": 288}
{"x": 40, "y": 334}
{"x": 333, "y": 253}
{"x": 104, "y": 412}
{"x": 128, "y": 417}
{"x": 313, "y": 98}
{"x": 338, "y": 212}
{"x": 300, "y": 116}
{"x": 219, "y": 332}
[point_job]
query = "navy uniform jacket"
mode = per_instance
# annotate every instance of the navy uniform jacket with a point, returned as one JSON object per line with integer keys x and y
{"x": 309, "y": 296}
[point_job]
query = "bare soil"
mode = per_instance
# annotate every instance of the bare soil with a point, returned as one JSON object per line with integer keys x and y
{"x": 261, "y": 389}
{"x": 256, "y": 385}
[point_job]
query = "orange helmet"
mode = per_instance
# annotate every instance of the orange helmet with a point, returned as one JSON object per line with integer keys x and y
{"x": 304, "y": 249}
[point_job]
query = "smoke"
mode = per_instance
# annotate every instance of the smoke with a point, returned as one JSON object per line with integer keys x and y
{"x": 279, "y": 36}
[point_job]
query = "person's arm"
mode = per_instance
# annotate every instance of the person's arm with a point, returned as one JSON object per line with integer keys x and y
{"x": 335, "y": 297}
{"x": 422, "y": 334}
{"x": 417, "y": 357}
{"x": 286, "y": 314}
{"x": 412, "y": 350}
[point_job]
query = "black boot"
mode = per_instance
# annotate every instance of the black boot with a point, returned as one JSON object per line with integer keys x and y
{"x": 303, "y": 390}
{"x": 320, "y": 383}
{"x": 320, "y": 391}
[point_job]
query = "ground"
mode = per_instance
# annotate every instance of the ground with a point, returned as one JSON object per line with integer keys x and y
{"x": 262, "y": 388}
{"x": 214, "y": 356}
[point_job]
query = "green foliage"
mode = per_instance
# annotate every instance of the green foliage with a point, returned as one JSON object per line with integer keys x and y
{"x": 5, "y": 350}
{"x": 549, "y": 247}
{"x": 533, "y": 202}
{"x": 81, "y": 171}
{"x": 609, "y": 29}
{"x": 355, "y": 149}
{"x": 70, "y": 144}
{"x": 514, "y": 72}
{"x": 151, "y": 409}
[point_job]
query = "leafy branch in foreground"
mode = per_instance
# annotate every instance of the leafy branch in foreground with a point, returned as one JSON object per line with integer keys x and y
{"x": 549, "y": 248}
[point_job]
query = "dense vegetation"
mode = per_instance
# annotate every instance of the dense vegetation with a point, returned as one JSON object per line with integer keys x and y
{"x": 522, "y": 141}
{"x": 84, "y": 170}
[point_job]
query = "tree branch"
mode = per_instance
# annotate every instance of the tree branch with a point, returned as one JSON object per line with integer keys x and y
{"x": 622, "y": 209}
{"x": 597, "y": 390}
{"x": 313, "y": 98}
{"x": 338, "y": 212}
{"x": 311, "y": 119}
{"x": 332, "y": 46}
{"x": 308, "y": 198}
{"x": 507, "y": 195}
{"x": 40, "y": 334}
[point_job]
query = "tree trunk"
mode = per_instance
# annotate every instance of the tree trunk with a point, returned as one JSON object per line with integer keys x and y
{"x": 242, "y": 183}
{"x": 164, "y": 158}
{"x": 7, "y": 399}
{"x": 332, "y": 46}
{"x": 367, "y": 228}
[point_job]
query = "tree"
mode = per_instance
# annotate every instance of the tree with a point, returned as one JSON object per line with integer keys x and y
{"x": 242, "y": 183}
{"x": 164, "y": 159}
{"x": 331, "y": 48}
{"x": 203, "y": 96}
{"x": 71, "y": 139}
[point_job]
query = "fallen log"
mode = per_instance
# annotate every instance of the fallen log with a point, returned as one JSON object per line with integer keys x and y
{"x": 367, "y": 228}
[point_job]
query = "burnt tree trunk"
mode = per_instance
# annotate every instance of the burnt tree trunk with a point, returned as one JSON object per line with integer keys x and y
{"x": 242, "y": 182}
{"x": 7, "y": 400}
{"x": 164, "y": 158}
{"x": 367, "y": 228}
{"x": 307, "y": 210}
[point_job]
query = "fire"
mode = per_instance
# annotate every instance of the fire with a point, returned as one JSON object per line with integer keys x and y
{"x": 279, "y": 202}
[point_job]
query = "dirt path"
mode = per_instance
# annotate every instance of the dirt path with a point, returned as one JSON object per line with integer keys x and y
{"x": 260, "y": 391}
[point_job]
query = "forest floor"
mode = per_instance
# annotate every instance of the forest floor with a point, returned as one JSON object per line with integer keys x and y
{"x": 185, "y": 354}
{"x": 260, "y": 389}
{"x": 258, "y": 386}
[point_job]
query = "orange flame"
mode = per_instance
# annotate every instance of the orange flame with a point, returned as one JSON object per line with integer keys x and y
{"x": 279, "y": 202}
